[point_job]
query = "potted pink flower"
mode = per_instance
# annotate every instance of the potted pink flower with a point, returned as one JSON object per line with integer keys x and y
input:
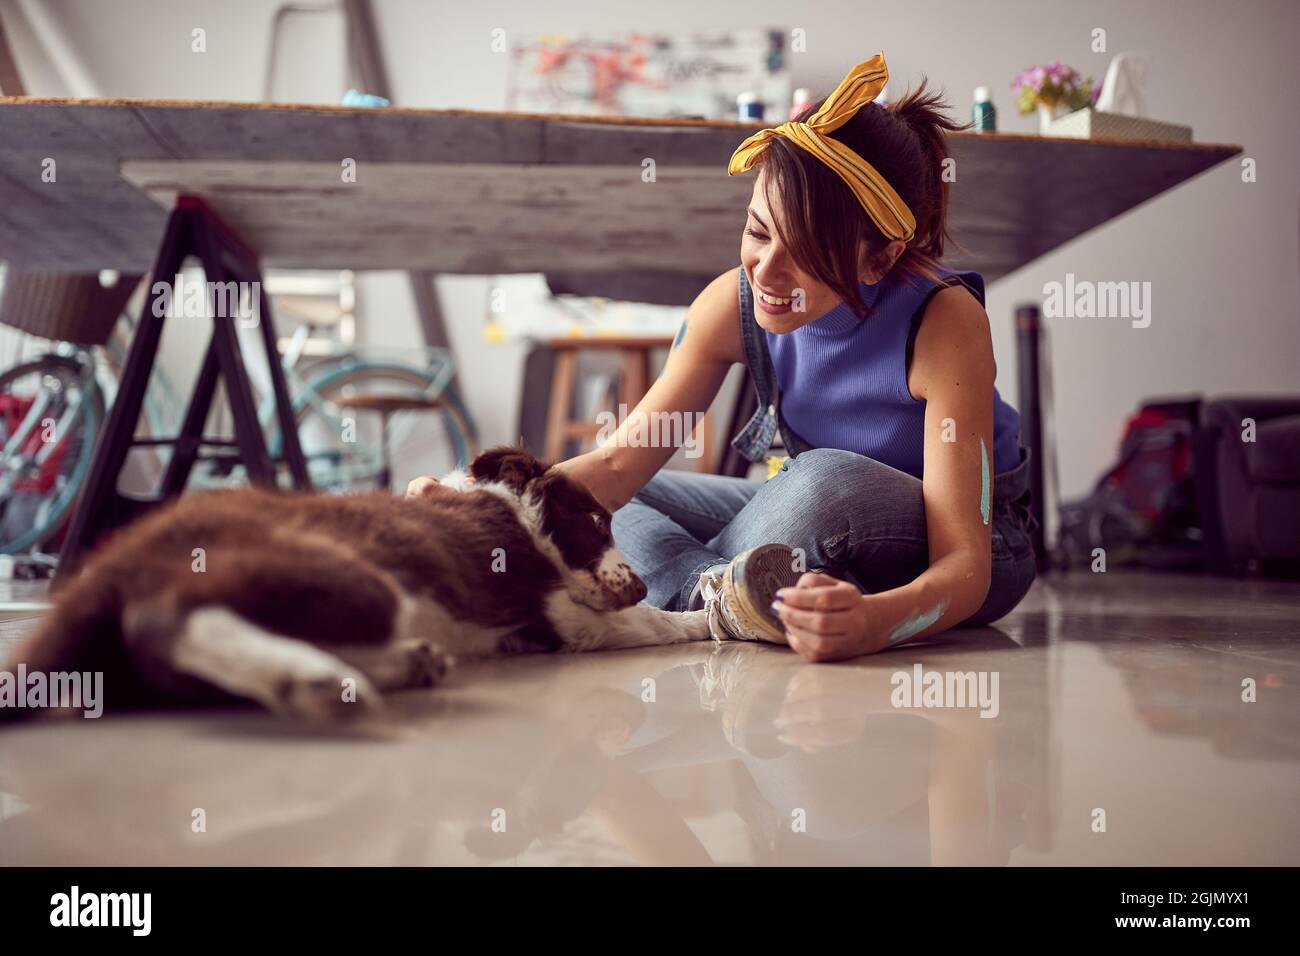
{"x": 1054, "y": 91}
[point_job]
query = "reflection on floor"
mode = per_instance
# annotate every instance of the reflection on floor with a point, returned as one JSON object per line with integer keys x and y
{"x": 1125, "y": 733}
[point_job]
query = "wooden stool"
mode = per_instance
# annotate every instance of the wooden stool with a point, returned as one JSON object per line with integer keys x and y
{"x": 385, "y": 405}
{"x": 635, "y": 354}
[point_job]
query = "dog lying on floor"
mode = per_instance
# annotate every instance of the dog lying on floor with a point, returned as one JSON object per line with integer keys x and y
{"x": 314, "y": 605}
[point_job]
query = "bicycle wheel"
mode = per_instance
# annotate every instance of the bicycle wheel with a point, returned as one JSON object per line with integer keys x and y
{"x": 344, "y": 449}
{"x": 51, "y": 410}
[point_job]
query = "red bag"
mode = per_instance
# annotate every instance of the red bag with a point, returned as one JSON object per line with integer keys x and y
{"x": 1142, "y": 510}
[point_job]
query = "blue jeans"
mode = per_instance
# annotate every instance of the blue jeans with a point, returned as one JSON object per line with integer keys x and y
{"x": 855, "y": 518}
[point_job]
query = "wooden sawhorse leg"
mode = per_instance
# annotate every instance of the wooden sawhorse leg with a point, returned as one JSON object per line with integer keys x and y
{"x": 194, "y": 230}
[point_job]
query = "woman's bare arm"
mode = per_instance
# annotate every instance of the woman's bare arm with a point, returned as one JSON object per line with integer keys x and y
{"x": 952, "y": 371}
{"x": 707, "y": 345}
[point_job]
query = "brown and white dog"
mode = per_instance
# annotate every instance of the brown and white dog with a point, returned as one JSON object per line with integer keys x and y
{"x": 283, "y": 599}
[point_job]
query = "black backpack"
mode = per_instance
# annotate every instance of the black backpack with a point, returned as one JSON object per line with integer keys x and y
{"x": 1143, "y": 510}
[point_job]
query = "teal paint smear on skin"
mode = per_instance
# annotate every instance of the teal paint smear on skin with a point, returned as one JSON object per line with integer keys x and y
{"x": 984, "y": 482}
{"x": 681, "y": 334}
{"x": 915, "y": 623}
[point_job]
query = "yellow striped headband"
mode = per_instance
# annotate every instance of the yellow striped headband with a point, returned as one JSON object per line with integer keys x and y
{"x": 863, "y": 84}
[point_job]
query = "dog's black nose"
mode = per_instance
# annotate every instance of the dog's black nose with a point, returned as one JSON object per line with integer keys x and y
{"x": 639, "y": 590}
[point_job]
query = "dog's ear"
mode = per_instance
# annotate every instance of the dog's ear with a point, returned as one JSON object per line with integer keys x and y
{"x": 514, "y": 467}
{"x": 573, "y": 520}
{"x": 565, "y": 501}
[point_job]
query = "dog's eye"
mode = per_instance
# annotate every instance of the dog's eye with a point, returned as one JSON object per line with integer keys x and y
{"x": 600, "y": 521}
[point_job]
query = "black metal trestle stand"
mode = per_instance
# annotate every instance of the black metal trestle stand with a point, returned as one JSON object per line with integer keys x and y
{"x": 192, "y": 230}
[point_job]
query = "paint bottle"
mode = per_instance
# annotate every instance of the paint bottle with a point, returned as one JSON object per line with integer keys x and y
{"x": 366, "y": 100}
{"x": 749, "y": 108}
{"x": 801, "y": 101}
{"x": 984, "y": 118}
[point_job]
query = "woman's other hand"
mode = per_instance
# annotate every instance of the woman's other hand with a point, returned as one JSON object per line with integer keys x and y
{"x": 826, "y": 619}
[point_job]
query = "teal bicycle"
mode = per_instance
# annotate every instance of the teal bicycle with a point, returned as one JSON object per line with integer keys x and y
{"x": 52, "y": 408}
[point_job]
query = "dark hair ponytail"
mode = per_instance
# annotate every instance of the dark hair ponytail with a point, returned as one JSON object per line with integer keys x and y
{"x": 825, "y": 225}
{"x": 922, "y": 112}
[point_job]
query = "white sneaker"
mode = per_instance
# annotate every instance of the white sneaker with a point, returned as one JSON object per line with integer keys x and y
{"x": 739, "y": 597}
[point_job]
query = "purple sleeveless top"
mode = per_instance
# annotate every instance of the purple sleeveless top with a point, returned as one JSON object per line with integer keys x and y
{"x": 843, "y": 380}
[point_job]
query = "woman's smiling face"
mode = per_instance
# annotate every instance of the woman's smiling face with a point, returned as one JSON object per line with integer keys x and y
{"x": 785, "y": 296}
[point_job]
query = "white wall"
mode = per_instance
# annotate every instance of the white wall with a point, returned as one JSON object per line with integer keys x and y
{"x": 1221, "y": 255}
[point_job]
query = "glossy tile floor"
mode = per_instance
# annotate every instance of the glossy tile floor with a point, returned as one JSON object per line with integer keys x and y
{"x": 1117, "y": 695}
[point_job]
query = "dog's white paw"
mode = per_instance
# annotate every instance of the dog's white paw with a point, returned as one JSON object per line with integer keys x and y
{"x": 325, "y": 695}
{"x": 426, "y": 664}
{"x": 695, "y": 625}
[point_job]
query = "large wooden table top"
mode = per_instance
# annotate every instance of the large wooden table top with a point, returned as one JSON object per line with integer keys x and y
{"x": 457, "y": 191}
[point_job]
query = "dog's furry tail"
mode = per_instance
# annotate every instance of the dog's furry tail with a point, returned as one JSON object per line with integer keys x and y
{"x": 81, "y": 633}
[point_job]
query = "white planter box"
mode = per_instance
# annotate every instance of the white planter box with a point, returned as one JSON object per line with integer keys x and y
{"x": 1093, "y": 124}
